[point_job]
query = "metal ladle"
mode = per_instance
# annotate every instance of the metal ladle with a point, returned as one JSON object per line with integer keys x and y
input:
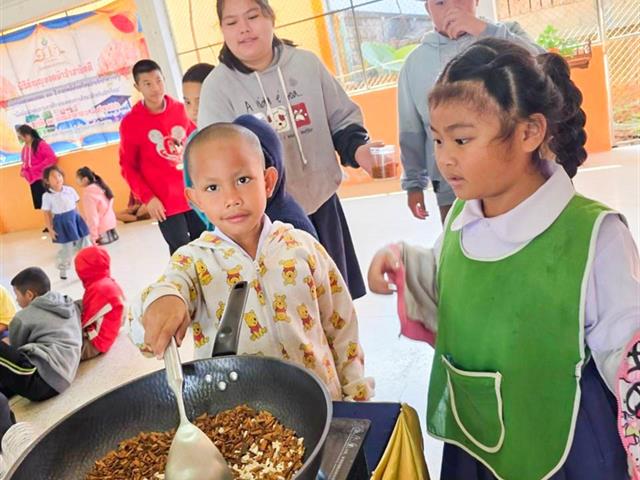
{"x": 193, "y": 455}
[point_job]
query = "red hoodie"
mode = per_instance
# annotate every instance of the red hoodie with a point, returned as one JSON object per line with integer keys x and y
{"x": 151, "y": 153}
{"x": 103, "y": 300}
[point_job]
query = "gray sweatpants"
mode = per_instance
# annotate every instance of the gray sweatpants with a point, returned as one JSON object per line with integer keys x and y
{"x": 67, "y": 252}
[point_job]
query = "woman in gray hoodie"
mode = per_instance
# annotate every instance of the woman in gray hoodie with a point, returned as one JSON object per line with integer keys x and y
{"x": 267, "y": 77}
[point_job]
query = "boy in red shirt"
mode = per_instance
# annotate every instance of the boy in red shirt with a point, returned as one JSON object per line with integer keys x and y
{"x": 103, "y": 306}
{"x": 152, "y": 137}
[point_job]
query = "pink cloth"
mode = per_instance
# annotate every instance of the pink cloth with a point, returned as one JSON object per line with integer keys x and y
{"x": 33, "y": 164}
{"x": 97, "y": 211}
{"x": 628, "y": 394}
{"x": 410, "y": 328}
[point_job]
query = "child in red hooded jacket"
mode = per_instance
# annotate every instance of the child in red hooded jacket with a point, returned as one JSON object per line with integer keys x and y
{"x": 103, "y": 306}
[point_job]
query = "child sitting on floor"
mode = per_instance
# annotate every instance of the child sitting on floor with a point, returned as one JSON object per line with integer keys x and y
{"x": 102, "y": 302}
{"x": 299, "y": 307}
{"x": 7, "y": 311}
{"x": 45, "y": 339}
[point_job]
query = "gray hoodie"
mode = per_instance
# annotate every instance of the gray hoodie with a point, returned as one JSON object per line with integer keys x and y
{"x": 417, "y": 77}
{"x": 295, "y": 86}
{"x": 48, "y": 332}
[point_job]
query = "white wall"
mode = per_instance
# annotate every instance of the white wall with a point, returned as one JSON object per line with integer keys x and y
{"x": 488, "y": 9}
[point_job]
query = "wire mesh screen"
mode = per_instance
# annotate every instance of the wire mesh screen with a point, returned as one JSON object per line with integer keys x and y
{"x": 363, "y": 43}
{"x": 622, "y": 21}
{"x": 566, "y": 25}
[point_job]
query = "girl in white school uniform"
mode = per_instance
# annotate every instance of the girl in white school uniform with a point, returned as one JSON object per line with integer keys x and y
{"x": 530, "y": 295}
{"x": 66, "y": 226}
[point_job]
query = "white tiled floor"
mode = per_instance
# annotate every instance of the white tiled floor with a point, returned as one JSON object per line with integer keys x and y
{"x": 400, "y": 367}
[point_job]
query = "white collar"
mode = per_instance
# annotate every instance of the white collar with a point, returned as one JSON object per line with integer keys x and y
{"x": 531, "y": 217}
{"x": 266, "y": 228}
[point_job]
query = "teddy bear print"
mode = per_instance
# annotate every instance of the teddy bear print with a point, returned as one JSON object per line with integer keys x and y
{"x": 220, "y": 311}
{"x": 337, "y": 321}
{"x": 280, "y": 307}
{"x": 313, "y": 263}
{"x": 257, "y": 331}
{"x": 361, "y": 393}
{"x": 169, "y": 147}
{"x": 181, "y": 262}
{"x": 320, "y": 249}
{"x": 289, "y": 272}
{"x": 289, "y": 241}
{"x": 212, "y": 238}
{"x": 333, "y": 282}
{"x": 204, "y": 276}
{"x": 259, "y": 292}
{"x": 328, "y": 366}
{"x": 352, "y": 351}
{"x": 309, "y": 357}
{"x": 199, "y": 338}
{"x": 233, "y": 275}
{"x": 316, "y": 290}
{"x": 305, "y": 317}
{"x": 310, "y": 282}
{"x": 262, "y": 268}
{"x": 228, "y": 253}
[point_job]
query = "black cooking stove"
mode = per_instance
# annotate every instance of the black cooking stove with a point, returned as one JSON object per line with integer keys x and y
{"x": 343, "y": 456}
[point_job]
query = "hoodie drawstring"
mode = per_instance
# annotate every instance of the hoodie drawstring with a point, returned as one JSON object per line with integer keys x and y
{"x": 264, "y": 96}
{"x": 292, "y": 119}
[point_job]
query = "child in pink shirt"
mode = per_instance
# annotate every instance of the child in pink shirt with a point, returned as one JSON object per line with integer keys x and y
{"x": 97, "y": 207}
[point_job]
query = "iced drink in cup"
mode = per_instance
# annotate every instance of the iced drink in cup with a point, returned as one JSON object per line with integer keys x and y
{"x": 385, "y": 164}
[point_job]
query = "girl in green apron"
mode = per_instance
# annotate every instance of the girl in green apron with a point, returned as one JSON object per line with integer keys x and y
{"x": 530, "y": 295}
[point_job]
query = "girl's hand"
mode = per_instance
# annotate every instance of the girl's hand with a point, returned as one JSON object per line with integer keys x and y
{"x": 53, "y": 233}
{"x": 165, "y": 318}
{"x": 384, "y": 262}
{"x": 156, "y": 209}
{"x": 364, "y": 157}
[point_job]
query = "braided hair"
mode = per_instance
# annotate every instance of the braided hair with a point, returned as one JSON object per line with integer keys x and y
{"x": 521, "y": 84}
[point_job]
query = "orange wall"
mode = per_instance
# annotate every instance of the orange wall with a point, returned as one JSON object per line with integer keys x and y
{"x": 592, "y": 83}
{"x": 16, "y": 208}
{"x": 380, "y": 113}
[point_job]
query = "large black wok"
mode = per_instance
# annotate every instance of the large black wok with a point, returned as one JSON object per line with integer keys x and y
{"x": 297, "y": 398}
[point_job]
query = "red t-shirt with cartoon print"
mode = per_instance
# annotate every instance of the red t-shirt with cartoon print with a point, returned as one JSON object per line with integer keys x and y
{"x": 151, "y": 146}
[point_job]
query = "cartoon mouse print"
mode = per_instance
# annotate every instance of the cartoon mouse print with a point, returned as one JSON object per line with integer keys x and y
{"x": 170, "y": 147}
